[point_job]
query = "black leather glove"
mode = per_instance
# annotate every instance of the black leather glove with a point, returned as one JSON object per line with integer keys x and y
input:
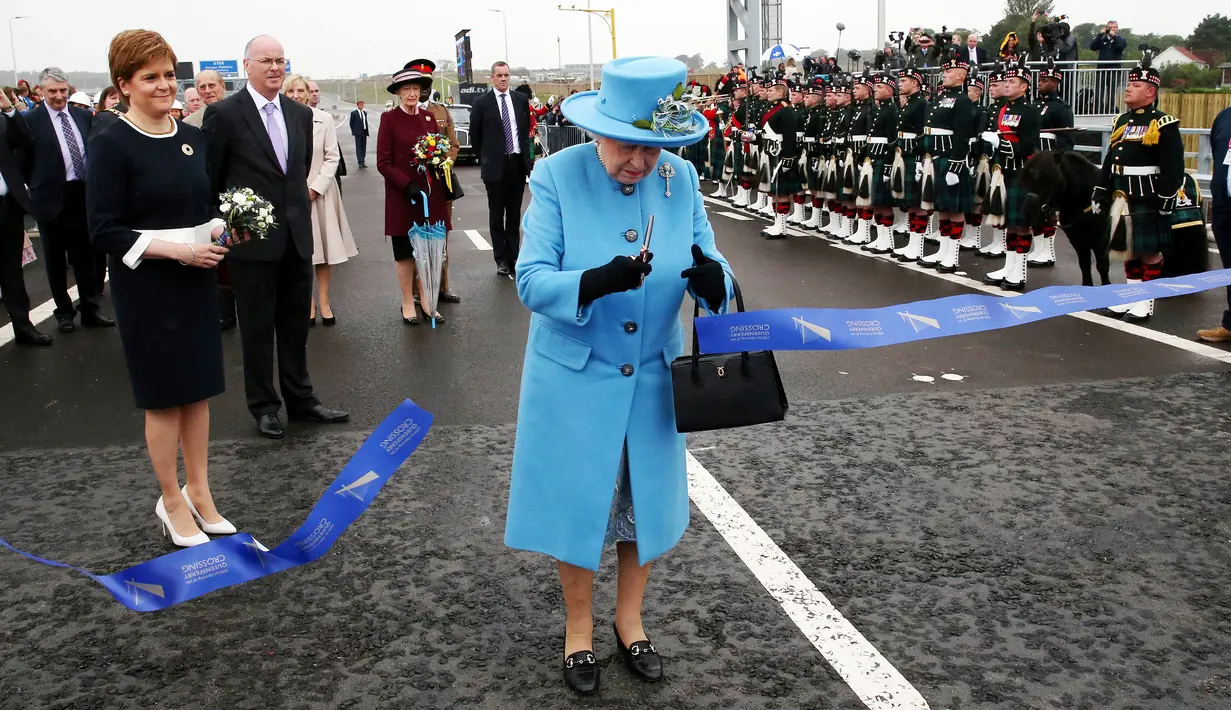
{"x": 623, "y": 273}
{"x": 707, "y": 279}
{"x": 412, "y": 194}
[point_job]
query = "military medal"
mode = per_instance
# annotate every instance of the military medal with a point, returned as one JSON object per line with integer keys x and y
{"x": 667, "y": 172}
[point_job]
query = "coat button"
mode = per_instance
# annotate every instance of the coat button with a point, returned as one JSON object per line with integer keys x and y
{"x": 630, "y": 235}
{"x": 626, "y": 370}
{"x": 630, "y": 327}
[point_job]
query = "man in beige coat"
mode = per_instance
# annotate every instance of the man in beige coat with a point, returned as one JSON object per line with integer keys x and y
{"x": 212, "y": 89}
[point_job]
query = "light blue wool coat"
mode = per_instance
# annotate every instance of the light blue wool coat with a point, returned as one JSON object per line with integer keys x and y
{"x": 577, "y": 407}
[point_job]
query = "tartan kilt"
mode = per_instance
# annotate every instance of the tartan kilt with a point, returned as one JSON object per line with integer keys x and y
{"x": 815, "y": 178}
{"x": 786, "y": 183}
{"x": 911, "y": 188}
{"x": 1151, "y": 230}
{"x": 737, "y": 158}
{"x": 848, "y": 178}
{"x": 957, "y": 198}
{"x": 718, "y": 154}
{"x": 1015, "y": 214}
{"x": 829, "y": 180}
{"x": 751, "y": 158}
{"x": 881, "y": 195}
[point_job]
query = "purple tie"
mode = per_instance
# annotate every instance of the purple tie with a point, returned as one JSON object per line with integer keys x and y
{"x": 275, "y": 135}
{"x": 74, "y": 150}
{"x": 509, "y": 145}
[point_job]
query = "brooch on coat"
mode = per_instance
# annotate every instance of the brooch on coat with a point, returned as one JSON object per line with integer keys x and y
{"x": 667, "y": 172}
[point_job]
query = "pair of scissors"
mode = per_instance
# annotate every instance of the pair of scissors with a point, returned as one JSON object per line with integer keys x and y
{"x": 645, "y": 244}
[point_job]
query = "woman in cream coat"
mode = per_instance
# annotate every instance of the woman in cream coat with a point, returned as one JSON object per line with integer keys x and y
{"x": 331, "y": 235}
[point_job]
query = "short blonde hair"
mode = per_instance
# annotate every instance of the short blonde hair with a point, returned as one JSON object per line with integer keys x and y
{"x": 133, "y": 49}
{"x": 292, "y": 80}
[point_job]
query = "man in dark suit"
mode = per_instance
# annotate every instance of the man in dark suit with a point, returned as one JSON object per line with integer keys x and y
{"x": 972, "y": 53}
{"x": 499, "y": 132}
{"x": 1220, "y": 195}
{"x": 359, "y": 129}
{"x": 56, "y": 161}
{"x": 14, "y": 205}
{"x": 261, "y": 140}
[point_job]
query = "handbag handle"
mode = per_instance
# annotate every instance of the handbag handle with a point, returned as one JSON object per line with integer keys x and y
{"x": 696, "y": 342}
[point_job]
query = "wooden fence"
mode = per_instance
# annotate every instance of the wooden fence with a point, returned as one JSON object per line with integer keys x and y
{"x": 1194, "y": 111}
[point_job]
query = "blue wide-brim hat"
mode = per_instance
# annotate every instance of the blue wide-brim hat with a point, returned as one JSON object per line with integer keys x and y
{"x": 631, "y": 90}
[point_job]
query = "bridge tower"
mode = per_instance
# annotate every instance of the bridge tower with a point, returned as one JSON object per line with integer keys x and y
{"x": 761, "y": 25}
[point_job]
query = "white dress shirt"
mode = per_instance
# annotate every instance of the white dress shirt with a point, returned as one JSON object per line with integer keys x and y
{"x": 363, "y": 115}
{"x": 260, "y": 102}
{"x": 512, "y": 117}
{"x": 70, "y": 173}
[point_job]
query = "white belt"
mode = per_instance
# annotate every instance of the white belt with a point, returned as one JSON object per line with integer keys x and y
{"x": 1135, "y": 170}
{"x": 859, "y": 138}
{"x": 937, "y": 131}
{"x": 907, "y": 136}
{"x": 878, "y": 141}
{"x": 200, "y": 234}
{"x": 809, "y": 140}
{"x": 839, "y": 140}
{"x": 1048, "y": 136}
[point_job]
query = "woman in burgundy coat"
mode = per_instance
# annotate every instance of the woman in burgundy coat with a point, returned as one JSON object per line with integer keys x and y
{"x": 400, "y": 129}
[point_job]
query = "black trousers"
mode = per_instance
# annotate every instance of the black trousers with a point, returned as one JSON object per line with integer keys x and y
{"x": 272, "y": 299}
{"x": 504, "y": 210}
{"x": 66, "y": 240}
{"x": 1221, "y": 223}
{"x": 12, "y": 284}
{"x": 361, "y": 149}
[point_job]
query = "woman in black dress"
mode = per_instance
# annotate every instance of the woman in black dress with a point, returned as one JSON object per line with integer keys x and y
{"x": 149, "y": 204}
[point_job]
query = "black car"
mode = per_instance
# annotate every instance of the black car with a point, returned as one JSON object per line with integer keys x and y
{"x": 460, "y": 113}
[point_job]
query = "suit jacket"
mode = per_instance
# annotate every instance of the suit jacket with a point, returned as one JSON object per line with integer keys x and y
{"x": 1220, "y": 141}
{"x": 196, "y": 118}
{"x": 979, "y": 59}
{"x": 356, "y": 124}
{"x": 44, "y": 163}
{"x": 12, "y": 144}
{"x": 487, "y": 133}
{"x": 240, "y": 154}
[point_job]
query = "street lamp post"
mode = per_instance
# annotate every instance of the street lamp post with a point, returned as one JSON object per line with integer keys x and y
{"x": 607, "y": 16}
{"x": 506, "y": 35}
{"x": 13, "y": 46}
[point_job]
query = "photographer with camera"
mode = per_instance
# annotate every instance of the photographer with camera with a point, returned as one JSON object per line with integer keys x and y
{"x": 1110, "y": 45}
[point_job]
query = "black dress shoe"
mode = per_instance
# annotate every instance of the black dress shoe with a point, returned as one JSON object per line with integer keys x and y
{"x": 65, "y": 325}
{"x": 581, "y": 673}
{"x": 270, "y": 426}
{"x": 96, "y": 320}
{"x": 449, "y": 297}
{"x": 641, "y": 658}
{"x": 29, "y": 335}
{"x": 319, "y": 413}
{"x": 502, "y": 270}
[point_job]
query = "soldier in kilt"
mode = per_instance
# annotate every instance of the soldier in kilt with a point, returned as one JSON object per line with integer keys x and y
{"x": 752, "y": 156}
{"x": 765, "y": 160}
{"x": 947, "y": 185}
{"x": 856, "y": 177}
{"x": 1015, "y": 139}
{"x": 881, "y": 151}
{"x": 974, "y": 219}
{"x": 1055, "y": 117}
{"x": 907, "y": 167}
{"x": 718, "y": 114}
{"x": 779, "y": 127}
{"x": 834, "y": 110}
{"x": 815, "y": 162}
{"x": 1142, "y": 183}
{"x": 982, "y": 165}
{"x": 799, "y": 93}
{"x": 737, "y": 145}
{"x": 840, "y": 126}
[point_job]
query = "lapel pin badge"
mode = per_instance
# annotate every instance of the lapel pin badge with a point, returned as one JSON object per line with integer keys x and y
{"x": 186, "y": 148}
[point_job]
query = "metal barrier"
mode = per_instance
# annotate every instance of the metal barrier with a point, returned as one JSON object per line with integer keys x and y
{"x": 1204, "y": 154}
{"x": 1091, "y": 88}
{"x": 554, "y": 138}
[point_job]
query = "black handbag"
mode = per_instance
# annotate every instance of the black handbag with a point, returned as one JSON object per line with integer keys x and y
{"x": 457, "y": 191}
{"x": 727, "y": 390}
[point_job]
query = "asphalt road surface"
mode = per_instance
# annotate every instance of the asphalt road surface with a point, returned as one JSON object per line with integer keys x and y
{"x": 1047, "y": 528}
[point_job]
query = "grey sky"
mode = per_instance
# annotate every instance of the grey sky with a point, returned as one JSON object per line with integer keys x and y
{"x": 325, "y": 39}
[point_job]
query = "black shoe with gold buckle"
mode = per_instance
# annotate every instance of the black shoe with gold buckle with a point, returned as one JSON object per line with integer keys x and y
{"x": 581, "y": 672}
{"x": 641, "y": 658}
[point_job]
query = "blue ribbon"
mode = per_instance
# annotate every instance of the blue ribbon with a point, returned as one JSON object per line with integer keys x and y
{"x": 849, "y": 329}
{"x": 227, "y": 561}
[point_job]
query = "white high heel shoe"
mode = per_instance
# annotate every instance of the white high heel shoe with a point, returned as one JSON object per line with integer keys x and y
{"x": 223, "y": 528}
{"x": 191, "y": 541}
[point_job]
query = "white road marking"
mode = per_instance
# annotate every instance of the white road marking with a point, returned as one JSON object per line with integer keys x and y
{"x": 1140, "y": 331}
{"x": 877, "y": 683}
{"x": 479, "y": 242}
{"x": 737, "y": 216}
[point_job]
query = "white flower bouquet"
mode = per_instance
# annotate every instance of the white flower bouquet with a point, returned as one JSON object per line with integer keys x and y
{"x": 247, "y": 216}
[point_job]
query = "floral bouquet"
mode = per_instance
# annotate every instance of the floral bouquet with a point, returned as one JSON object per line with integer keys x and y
{"x": 244, "y": 211}
{"x": 432, "y": 151}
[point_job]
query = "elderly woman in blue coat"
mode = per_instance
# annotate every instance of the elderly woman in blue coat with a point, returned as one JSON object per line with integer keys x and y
{"x": 598, "y": 460}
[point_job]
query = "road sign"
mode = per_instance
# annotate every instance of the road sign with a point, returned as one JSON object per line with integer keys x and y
{"x": 363, "y": 76}
{"x": 288, "y": 66}
{"x": 222, "y": 66}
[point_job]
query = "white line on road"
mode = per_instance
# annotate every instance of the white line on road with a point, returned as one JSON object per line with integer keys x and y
{"x": 479, "y": 242}
{"x": 877, "y": 683}
{"x": 737, "y": 216}
{"x": 1140, "y": 331}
